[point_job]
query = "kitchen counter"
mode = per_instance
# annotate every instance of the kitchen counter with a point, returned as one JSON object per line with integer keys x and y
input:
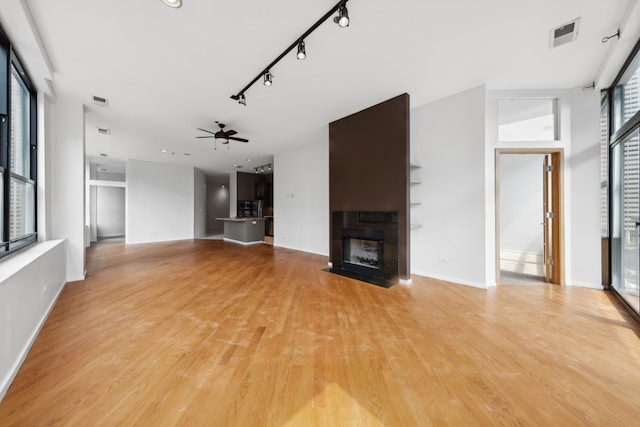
{"x": 243, "y": 230}
{"x": 240, "y": 219}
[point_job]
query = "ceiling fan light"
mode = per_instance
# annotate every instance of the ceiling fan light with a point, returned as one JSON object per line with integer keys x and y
{"x": 301, "y": 51}
{"x": 173, "y": 3}
{"x": 343, "y": 16}
{"x": 268, "y": 78}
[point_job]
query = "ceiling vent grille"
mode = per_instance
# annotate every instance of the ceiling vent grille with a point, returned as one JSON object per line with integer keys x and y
{"x": 103, "y": 102}
{"x": 104, "y": 131}
{"x": 565, "y": 33}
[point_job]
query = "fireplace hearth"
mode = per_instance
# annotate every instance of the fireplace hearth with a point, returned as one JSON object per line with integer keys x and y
{"x": 364, "y": 246}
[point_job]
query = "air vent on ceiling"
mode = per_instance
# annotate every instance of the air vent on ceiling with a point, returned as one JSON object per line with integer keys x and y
{"x": 103, "y": 102}
{"x": 564, "y": 34}
{"x": 104, "y": 131}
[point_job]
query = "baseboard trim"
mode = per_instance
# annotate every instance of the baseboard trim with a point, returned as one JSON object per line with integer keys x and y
{"x": 243, "y": 243}
{"x": 8, "y": 380}
{"x": 586, "y": 285}
{"x": 452, "y": 280}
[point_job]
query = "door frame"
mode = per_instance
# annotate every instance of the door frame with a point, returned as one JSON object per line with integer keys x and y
{"x": 557, "y": 195}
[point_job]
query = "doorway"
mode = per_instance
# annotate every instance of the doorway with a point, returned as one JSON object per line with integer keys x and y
{"x": 529, "y": 217}
{"x": 106, "y": 201}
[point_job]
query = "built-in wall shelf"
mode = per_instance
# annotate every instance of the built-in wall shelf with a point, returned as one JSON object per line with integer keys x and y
{"x": 414, "y": 178}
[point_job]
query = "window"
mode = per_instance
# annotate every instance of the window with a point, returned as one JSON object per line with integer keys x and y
{"x": 626, "y": 95}
{"x": 604, "y": 166}
{"x": 17, "y": 153}
{"x": 534, "y": 119}
{"x": 624, "y": 163}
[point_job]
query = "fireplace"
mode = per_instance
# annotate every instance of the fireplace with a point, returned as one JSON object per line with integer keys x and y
{"x": 364, "y": 246}
{"x": 362, "y": 251}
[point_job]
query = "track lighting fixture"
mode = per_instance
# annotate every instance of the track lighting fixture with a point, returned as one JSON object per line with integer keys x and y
{"x": 343, "y": 16}
{"x": 261, "y": 169}
{"x": 342, "y": 20}
{"x": 268, "y": 78}
{"x": 301, "y": 50}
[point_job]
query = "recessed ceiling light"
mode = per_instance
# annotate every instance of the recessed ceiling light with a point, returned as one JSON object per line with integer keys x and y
{"x": 103, "y": 154}
{"x": 248, "y": 160}
{"x": 187, "y": 154}
{"x": 164, "y": 150}
{"x": 173, "y": 3}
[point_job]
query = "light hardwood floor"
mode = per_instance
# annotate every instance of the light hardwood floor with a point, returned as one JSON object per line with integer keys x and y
{"x": 214, "y": 334}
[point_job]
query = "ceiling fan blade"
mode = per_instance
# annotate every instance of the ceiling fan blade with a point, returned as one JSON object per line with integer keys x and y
{"x": 205, "y": 136}
{"x": 207, "y": 131}
{"x": 231, "y": 132}
{"x": 238, "y": 139}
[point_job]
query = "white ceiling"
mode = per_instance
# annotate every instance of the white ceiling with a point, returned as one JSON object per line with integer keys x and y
{"x": 169, "y": 71}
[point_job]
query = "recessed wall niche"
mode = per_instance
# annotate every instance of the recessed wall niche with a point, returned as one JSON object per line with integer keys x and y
{"x": 369, "y": 178}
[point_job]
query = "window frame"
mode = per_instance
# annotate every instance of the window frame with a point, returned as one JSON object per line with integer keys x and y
{"x": 9, "y": 59}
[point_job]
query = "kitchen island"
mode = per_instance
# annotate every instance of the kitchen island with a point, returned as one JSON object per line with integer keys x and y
{"x": 243, "y": 230}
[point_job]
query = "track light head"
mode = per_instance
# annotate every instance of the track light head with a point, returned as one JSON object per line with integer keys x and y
{"x": 343, "y": 16}
{"x": 268, "y": 78}
{"x": 302, "y": 53}
{"x": 242, "y": 100}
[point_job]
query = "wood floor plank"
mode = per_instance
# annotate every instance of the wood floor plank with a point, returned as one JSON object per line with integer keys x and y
{"x": 208, "y": 333}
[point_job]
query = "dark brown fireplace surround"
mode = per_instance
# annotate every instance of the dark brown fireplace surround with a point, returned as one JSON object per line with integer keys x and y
{"x": 369, "y": 193}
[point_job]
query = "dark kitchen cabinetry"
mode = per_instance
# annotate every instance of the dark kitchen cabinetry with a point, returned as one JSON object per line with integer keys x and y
{"x": 254, "y": 187}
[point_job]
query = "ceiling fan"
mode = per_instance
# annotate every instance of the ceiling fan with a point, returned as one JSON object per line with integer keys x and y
{"x": 227, "y": 135}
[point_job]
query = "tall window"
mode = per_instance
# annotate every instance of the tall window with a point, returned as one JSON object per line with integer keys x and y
{"x": 17, "y": 153}
{"x": 624, "y": 162}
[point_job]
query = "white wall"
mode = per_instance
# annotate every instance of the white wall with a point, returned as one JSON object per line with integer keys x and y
{"x": 521, "y": 203}
{"x": 159, "y": 202}
{"x": 30, "y": 282}
{"x": 110, "y": 211}
{"x": 199, "y": 204}
{"x": 217, "y": 203}
{"x": 447, "y": 140}
{"x": 584, "y": 167}
{"x": 301, "y": 198}
{"x": 67, "y": 181}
